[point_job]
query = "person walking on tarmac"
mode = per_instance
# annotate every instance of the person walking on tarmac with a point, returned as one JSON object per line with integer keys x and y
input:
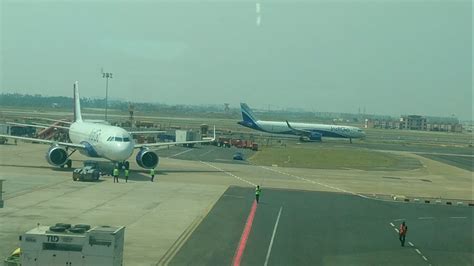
{"x": 258, "y": 190}
{"x": 116, "y": 174}
{"x": 126, "y": 175}
{"x": 152, "y": 174}
{"x": 402, "y": 233}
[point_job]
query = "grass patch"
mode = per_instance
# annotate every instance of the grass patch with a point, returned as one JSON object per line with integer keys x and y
{"x": 326, "y": 158}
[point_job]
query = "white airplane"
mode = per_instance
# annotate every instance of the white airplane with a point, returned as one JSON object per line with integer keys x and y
{"x": 306, "y": 131}
{"x": 100, "y": 140}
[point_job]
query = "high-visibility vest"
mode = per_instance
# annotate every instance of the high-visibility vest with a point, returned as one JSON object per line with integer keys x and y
{"x": 126, "y": 172}
{"x": 403, "y": 229}
{"x": 116, "y": 172}
{"x": 257, "y": 191}
{"x": 152, "y": 171}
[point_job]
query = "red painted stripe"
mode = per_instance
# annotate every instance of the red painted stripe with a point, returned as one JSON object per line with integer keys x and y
{"x": 245, "y": 235}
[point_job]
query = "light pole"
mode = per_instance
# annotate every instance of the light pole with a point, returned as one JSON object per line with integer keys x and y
{"x": 106, "y": 75}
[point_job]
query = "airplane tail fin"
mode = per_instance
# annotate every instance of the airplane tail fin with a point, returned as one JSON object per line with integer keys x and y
{"x": 247, "y": 114}
{"x": 77, "y": 103}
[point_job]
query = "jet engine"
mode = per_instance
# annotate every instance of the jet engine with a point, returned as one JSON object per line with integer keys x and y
{"x": 56, "y": 156}
{"x": 312, "y": 136}
{"x": 315, "y": 136}
{"x": 147, "y": 159}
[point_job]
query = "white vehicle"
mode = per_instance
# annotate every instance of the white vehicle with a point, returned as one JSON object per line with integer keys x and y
{"x": 98, "y": 140}
{"x": 80, "y": 244}
{"x": 306, "y": 131}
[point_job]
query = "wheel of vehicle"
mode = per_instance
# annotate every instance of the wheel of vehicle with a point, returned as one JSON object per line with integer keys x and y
{"x": 96, "y": 175}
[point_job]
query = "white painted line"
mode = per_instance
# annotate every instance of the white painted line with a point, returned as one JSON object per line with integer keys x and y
{"x": 396, "y": 229}
{"x": 229, "y": 174}
{"x": 458, "y": 217}
{"x": 417, "y": 251}
{"x": 179, "y": 153}
{"x": 401, "y": 219}
{"x": 392, "y": 224}
{"x": 424, "y": 258}
{"x": 273, "y": 237}
{"x": 257, "y": 7}
{"x": 318, "y": 183}
{"x": 233, "y": 196}
{"x": 202, "y": 154}
{"x": 411, "y": 244}
{"x": 425, "y": 218}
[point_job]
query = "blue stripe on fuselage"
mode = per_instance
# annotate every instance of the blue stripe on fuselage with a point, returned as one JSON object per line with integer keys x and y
{"x": 89, "y": 149}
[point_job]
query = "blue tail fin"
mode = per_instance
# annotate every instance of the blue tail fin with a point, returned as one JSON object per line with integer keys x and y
{"x": 247, "y": 114}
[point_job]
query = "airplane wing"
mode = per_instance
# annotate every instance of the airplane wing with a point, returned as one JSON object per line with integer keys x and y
{"x": 137, "y": 146}
{"x": 298, "y": 131}
{"x": 37, "y": 125}
{"x": 45, "y": 141}
{"x": 205, "y": 140}
{"x": 49, "y": 119}
{"x": 146, "y": 132}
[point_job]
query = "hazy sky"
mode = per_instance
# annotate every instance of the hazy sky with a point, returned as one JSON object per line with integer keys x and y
{"x": 391, "y": 57}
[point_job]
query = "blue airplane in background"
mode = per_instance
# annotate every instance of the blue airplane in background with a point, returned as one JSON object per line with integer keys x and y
{"x": 306, "y": 131}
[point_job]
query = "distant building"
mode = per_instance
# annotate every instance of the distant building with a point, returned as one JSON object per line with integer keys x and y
{"x": 413, "y": 122}
{"x": 416, "y": 122}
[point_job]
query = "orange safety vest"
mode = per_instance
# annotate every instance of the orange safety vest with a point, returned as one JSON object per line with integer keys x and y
{"x": 403, "y": 229}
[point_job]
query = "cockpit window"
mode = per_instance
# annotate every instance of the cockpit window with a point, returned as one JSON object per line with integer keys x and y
{"x": 118, "y": 139}
{"x": 110, "y": 138}
{"x": 126, "y": 139}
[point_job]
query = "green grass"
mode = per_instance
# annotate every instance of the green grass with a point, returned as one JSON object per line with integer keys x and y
{"x": 325, "y": 158}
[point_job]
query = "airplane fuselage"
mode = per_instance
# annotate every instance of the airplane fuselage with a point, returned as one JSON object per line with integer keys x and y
{"x": 102, "y": 141}
{"x": 276, "y": 127}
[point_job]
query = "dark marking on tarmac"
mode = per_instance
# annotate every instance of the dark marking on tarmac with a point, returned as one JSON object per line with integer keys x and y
{"x": 463, "y": 162}
{"x": 322, "y": 228}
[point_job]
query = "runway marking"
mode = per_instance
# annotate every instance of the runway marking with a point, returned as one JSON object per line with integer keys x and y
{"x": 424, "y": 258}
{"x": 401, "y": 219}
{"x": 396, "y": 230}
{"x": 273, "y": 237}
{"x": 392, "y": 224}
{"x": 245, "y": 235}
{"x": 179, "y": 153}
{"x": 317, "y": 183}
{"x": 233, "y": 196}
{"x": 425, "y": 218}
{"x": 205, "y": 153}
{"x": 417, "y": 251}
{"x": 458, "y": 217}
{"x": 411, "y": 244}
{"x": 228, "y": 173}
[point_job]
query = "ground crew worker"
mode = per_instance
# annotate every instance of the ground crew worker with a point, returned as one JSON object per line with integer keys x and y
{"x": 258, "y": 190}
{"x": 152, "y": 174}
{"x": 126, "y": 175}
{"x": 402, "y": 233}
{"x": 116, "y": 174}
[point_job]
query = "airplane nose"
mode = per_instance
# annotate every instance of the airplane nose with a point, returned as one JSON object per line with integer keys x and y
{"x": 123, "y": 151}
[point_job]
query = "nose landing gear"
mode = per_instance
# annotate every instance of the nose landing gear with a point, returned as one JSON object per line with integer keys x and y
{"x": 123, "y": 165}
